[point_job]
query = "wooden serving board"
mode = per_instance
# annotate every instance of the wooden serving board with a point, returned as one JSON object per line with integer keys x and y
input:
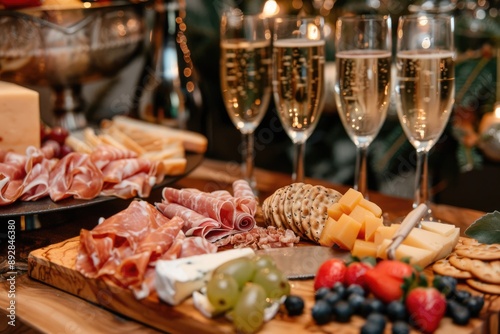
{"x": 55, "y": 265}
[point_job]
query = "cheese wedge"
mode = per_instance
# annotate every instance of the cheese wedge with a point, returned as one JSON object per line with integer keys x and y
{"x": 19, "y": 118}
{"x": 371, "y": 224}
{"x": 385, "y": 232}
{"x": 439, "y": 228}
{"x": 178, "y": 279}
{"x": 417, "y": 256}
{"x": 362, "y": 248}
{"x": 349, "y": 200}
{"x": 346, "y": 232}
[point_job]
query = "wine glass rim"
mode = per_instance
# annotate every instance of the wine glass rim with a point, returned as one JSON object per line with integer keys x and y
{"x": 282, "y": 18}
{"x": 364, "y": 17}
{"x": 418, "y": 16}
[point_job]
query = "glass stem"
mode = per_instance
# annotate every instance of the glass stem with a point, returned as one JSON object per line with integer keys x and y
{"x": 360, "y": 170}
{"x": 422, "y": 182}
{"x": 248, "y": 161}
{"x": 298, "y": 165}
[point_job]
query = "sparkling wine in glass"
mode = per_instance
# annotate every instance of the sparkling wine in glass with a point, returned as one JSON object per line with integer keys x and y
{"x": 299, "y": 80}
{"x": 362, "y": 82}
{"x": 425, "y": 87}
{"x": 245, "y": 69}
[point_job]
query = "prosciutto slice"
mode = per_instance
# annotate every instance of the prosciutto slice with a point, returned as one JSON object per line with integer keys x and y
{"x": 125, "y": 247}
{"x": 75, "y": 175}
{"x": 245, "y": 198}
{"x": 12, "y": 173}
{"x": 38, "y": 167}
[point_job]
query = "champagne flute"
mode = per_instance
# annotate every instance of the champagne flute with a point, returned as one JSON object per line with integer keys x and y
{"x": 425, "y": 87}
{"x": 299, "y": 80}
{"x": 363, "y": 82}
{"x": 245, "y": 63}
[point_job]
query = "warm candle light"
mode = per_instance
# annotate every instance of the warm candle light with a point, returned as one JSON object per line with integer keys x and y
{"x": 271, "y": 8}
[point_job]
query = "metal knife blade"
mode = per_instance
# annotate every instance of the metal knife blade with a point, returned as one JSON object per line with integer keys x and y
{"x": 302, "y": 262}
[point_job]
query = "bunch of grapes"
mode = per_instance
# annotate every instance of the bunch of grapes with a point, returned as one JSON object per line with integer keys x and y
{"x": 55, "y": 137}
{"x": 243, "y": 288}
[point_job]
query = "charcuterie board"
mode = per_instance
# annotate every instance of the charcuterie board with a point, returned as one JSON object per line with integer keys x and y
{"x": 55, "y": 265}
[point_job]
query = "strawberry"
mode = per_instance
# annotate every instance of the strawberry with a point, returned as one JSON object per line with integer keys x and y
{"x": 386, "y": 279}
{"x": 355, "y": 273}
{"x": 426, "y": 306}
{"x": 330, "y": 272}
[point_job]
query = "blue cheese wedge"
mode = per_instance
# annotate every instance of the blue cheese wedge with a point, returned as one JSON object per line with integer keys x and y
{"x": 178, "y": 279}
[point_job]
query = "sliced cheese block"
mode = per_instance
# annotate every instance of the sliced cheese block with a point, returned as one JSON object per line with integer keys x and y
{"x": 439, "y": 228}
{"x": 349, "y": 200}
{"x": 417, "y": 256}
{"x": 449, "y": 244}
{"x": 371, "y": 225}
{"x": 364, "y": 248}
{"x": 346, "y": 232}
{"x": 385, "y": 232}
{"x": 19, "y": 118}
{"x": 178, "y": 279}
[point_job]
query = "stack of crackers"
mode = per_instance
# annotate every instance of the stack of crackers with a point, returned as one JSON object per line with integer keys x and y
{"x": 300, "y": 207}
{"x": 476, "y": 263}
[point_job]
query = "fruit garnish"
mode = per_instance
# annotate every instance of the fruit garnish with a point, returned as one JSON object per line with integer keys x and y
{"x": 386, "y": 279}
{"x": 426, "y": 308}
{"x": 330, "y": 272}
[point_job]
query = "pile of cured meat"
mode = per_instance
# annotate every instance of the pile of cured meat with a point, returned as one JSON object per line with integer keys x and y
{"x": 107, "y": 171}
{"x": 125, "y": 247}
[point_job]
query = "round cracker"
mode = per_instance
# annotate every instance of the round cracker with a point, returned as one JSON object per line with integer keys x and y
{"x": 274, "y": 208}
{"x": 488, "y": 272}
{"x": 297, "y": 208}
{"x": 480, "y": 251}
{"x": 288, "y": 207}
{"x": 266, "y": 210}
{"x": 281, "y": 206}
{"x": 460, "y": 262}
{"x": 483, "y": 287}
{"x": 445, "y": 268}
{"x": 318, "y": 213}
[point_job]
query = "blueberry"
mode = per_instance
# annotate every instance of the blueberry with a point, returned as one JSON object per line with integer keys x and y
{"x": 343, "y": 311}
{"x": 321, "y": 293}
{"x": 355, "y": 289}
{"x": 294, "y": 305}
{"x": 332, "y": 298}
{"x": 445, "y": 284}
{"x": 371, "y": 328}
{"x": 377, "y": 318}
{"x": 460, "y": 315}
{"x": 371, "y": 305}
{"x": 340, "y": 288}
{"x": 356, "y": 302}
{"x": 474, "y": 304}
{"x": 396, "y": 310}
{"x": 321, "y": 312}
{"x": 461, "y": 295}
{"x": 400, "y": 327}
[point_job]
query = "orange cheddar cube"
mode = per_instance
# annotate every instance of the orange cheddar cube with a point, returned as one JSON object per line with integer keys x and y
{"x": 362, "y": 248}
{"x": 335, "y": 211}
{"x": 370, "y": 206}
{"x": 346, "y": 232}
{"x": 371, "y": 225}
{"x": 326, "y": 237}
{"x": 349, "y": 200}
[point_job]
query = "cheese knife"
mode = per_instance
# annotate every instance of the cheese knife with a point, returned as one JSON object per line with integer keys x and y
{"x": 302, "y": 262}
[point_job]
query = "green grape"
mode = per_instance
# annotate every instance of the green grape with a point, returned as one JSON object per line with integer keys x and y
{"x": 241, "y": 269}
{"x": 248, "y": 313}
{"x": 263, "y": 261}
{"x": 273, "y": 281}
{"x": 222, "y": 292}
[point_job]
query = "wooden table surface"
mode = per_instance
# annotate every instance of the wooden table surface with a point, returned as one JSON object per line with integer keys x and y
{"x": 40, "y": 307}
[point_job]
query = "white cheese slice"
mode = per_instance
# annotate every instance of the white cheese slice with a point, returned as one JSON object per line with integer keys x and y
{"x": 178, "y": 279}
{"x": 439, "y": 228}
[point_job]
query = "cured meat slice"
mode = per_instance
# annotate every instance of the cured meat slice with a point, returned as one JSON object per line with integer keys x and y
{"x": 75, "y": 175}
{"x": 12, "y": 173}
{"x": 36, "y": 182}
{"x": 104, "y": 248}
{"x": 104, "y": 154}
{"x": 221, "y": 210}
{"x": 195, "y": 224}
{"x": 136, "y": 185}
{"x": 245, "y": 198}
